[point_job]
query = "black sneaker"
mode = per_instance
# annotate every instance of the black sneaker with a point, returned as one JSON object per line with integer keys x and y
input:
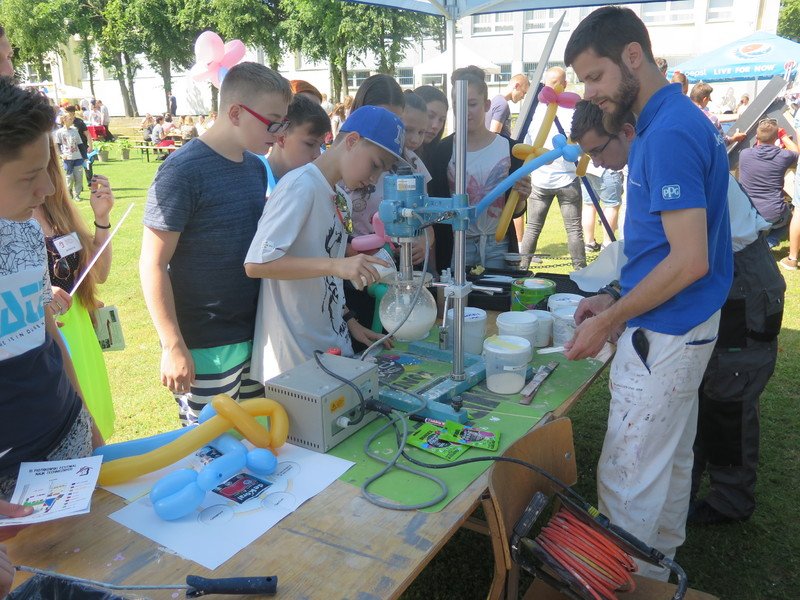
{"x": 702, "y": 513}
{"x": 594, "y": 247}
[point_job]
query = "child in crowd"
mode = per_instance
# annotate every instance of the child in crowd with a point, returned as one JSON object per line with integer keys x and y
{"x": 57, "y": 217}
{"x": 437, "y": 104}
{"x": 302, "y": 141}
{"x": 201, "y": 215}
{"x": 69, "y": 142}
{"x": 415, "y": 119}
{"x": 42, "y": 416}
{"x": 383, "y": 91}
{"x": 489, "y": 161}
{"x": 299, "y": 248}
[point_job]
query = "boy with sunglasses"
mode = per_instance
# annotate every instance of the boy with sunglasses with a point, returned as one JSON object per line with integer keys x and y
{"x": 42, "y": 416}
{"x": 299, "y": 249}
{"x": 201, "y": 214}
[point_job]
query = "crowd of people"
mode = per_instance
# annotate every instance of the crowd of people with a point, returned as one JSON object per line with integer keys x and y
{"x": 247, "y": 266}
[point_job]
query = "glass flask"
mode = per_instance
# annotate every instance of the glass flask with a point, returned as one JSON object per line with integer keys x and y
{"x": 396, "y": 302}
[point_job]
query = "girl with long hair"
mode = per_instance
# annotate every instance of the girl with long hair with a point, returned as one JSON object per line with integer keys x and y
{"x": 58, "y": 216}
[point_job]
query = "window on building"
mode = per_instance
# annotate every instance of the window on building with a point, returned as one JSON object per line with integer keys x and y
{"x": 494, "y": 23}
{"x": 720, "y": 10}
{"x": 544, "y": 19}
{"x": 435, "y": 80}
{"x": 405, "y": 76}
{"x": 356, "y": 78}
{"x": 504, "y": 76}
{"x": 529, "y": 68}
{"x": 664, "y": 13}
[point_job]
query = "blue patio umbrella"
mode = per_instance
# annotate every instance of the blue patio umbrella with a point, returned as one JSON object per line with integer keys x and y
{"x": 760, "y": 55}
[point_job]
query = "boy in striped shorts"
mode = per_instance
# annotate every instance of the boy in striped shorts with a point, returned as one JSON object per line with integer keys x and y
{"x": 201, "y": 214}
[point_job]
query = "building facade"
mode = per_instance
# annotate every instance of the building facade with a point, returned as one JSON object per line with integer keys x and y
{"x": 679, "y": 29}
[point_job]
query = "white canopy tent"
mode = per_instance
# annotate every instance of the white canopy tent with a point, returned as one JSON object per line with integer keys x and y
{"x": 453, "y": 10}
{"x": 441, "y": 62}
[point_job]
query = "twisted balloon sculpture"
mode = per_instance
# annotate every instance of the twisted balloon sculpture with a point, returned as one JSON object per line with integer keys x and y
{"x": 126, "y": 461}
{"x": 553, "y": 98}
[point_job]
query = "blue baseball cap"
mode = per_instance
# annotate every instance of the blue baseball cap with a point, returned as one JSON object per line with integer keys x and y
{"x": 380, "y": 126}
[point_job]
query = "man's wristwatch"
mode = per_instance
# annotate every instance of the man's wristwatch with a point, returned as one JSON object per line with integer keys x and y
{"x": 613, "y": 289}
{"x": 348, "y": 315}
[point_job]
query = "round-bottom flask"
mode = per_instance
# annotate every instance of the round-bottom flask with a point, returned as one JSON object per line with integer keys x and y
{"x": 397, "y": 302}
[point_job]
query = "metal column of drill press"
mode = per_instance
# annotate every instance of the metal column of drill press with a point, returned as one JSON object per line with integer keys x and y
{"x": 404, "y": 211}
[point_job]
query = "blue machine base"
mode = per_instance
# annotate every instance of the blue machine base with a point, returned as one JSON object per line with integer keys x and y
{"x": 438, "y": 398}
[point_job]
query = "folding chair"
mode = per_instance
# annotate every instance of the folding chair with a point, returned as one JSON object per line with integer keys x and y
{"x": 549, "y": 446}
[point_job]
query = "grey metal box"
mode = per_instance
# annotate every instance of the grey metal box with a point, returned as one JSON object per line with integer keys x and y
{"x": 314, "y": 400}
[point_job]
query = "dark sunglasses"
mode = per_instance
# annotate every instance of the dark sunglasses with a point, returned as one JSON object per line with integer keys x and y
{"x": 272, "y": 126}
{"x": 61, "y": 268}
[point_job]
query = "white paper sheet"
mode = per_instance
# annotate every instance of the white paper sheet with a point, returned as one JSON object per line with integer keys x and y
{"x": 602, "y": 270}
{"x": 222, "y": 526}
{"x": 55, "y": 489}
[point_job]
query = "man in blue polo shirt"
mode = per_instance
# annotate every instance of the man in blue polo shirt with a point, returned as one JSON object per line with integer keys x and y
{"x": 679, "y": 271}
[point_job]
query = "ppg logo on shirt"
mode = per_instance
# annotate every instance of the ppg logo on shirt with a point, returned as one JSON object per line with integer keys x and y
{"x": 671, "y": 192}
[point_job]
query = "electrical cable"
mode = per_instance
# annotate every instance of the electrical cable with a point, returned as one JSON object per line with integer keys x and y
{"x": 414, "y": 299}
{"x": 589, "y": 555}
{"x": 362, "y": 405}
{"x": 402, "y": 437}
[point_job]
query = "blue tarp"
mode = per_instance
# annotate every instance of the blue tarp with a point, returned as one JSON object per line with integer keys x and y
{"x": 759, "y": 55}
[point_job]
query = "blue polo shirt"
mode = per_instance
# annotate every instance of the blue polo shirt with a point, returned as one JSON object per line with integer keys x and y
{"x": 677, "y": 161}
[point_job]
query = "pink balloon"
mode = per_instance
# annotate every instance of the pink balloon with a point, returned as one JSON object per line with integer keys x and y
{"x": 371, "y": 241}
{"x": 234, "y": 52}
{"x": 208, "y": 48}
{"x": 199, "y": 72}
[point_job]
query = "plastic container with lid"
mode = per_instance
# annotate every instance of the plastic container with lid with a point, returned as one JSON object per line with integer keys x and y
{"x": 544, "y": 328}
{"x": 527, "y": 293}
{"x": 523, "y": 324}
{"x": 560, "y": 300}
{"x": 506, "y": 358}
{"x": 563, "y": 324}
{"x": 474, "y": 329}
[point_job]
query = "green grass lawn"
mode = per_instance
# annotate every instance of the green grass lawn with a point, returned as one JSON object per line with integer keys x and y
{"x": 754, "y": 560}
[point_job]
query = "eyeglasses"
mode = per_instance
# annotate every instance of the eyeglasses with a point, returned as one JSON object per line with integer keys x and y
{"x": 768, "y": 121}
{"x": 598, "y": 151}
{"x": 272, "y": 126}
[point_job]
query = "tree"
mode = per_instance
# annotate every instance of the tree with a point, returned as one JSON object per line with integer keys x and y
{"x": 789, "y": 20}
{"x": 256, "y": 22}
{"x": 119, "y": 42}
{"x": 37, "y": 30}
{"x": 392, "y": 31}
{"x": 166, "y": 37}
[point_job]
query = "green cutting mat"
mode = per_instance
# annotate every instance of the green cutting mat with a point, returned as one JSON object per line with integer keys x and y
{"x": 500, "y": 413}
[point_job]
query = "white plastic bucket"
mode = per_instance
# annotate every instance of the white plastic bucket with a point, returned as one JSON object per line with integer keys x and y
{"x": 506, "y": 358}
{"x": 563, "y": 324}
{"x": 523, "y": 324}
{"x": 560, "y": 300}
{"x": 474, "y": 329}
{"x": 544, "y": 328}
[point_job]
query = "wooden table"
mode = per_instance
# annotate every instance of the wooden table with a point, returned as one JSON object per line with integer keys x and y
{"x": 336, "y": 545}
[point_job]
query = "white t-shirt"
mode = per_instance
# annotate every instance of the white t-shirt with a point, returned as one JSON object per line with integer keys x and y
{"x": 485, "y": 169}
{"x": 68, "y": 140}
{"x": 560, "y": 172}
{"x": 24, "y": 287}
{"x": 296, "y": 317}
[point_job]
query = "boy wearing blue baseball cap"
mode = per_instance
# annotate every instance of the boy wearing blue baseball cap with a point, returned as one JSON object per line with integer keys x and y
{"x": 299, "y": 248}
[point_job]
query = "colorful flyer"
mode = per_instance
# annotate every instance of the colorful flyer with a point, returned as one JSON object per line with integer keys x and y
{"x": 55, "y": 489}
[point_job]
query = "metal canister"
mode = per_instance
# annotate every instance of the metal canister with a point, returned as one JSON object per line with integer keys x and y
{"x": 527, "y": 293}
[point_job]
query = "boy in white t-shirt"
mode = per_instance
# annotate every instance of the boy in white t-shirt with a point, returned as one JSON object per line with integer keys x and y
{"x": 299, "y": 248}
{"x": 69, "y": 141}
